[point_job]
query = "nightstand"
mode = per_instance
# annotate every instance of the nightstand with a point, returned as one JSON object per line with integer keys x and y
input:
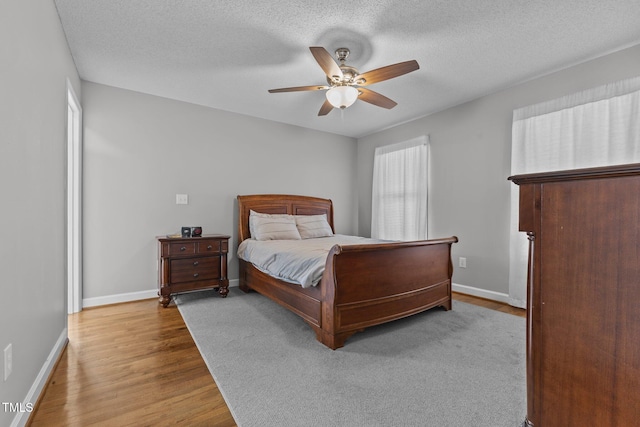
{"x": 190, "y": 264}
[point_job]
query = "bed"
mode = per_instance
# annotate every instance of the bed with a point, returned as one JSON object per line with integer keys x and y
{"x": 362, "y": 285}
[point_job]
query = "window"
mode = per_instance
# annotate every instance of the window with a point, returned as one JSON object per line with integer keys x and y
{"x": 399, "y": 198}
{"x": 597, "y": 127}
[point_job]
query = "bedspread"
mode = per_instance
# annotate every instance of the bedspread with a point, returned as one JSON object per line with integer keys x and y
{"x": 295, "y": 261}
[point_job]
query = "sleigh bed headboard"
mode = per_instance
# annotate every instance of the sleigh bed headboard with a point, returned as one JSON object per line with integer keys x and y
{"x": 280, "y": 204}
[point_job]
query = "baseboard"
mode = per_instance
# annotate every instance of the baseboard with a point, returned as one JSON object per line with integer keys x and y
{"x": 40, "y": 383}
{"x": 117, "y": 298}
{"x": 517, "y": 303}
{"x": 482, "y": 293}
{"x": 131, "y": 296}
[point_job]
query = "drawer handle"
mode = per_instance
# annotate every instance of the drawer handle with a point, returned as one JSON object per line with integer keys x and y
{"x": 196, "y": 263}
{"x": 209, "y": 247}
{"x": 196, "y": 274}
{"x": 184, "y": 248}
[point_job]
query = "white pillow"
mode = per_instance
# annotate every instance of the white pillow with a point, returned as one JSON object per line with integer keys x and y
{"x": 310, "y": 226}
{"x": 252, "y": 219}
{"x": 272, "y": 226}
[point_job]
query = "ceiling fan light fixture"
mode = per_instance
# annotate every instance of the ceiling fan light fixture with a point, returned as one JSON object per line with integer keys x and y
{"x": 342, "y": 96}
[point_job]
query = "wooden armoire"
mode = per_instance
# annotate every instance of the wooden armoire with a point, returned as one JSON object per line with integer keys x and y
{"x": 583, "y": 303}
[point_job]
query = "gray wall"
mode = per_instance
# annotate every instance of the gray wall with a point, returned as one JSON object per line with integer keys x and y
{"x": 141, "y": 150}
{"x": 33, "y": 109}
{"x": 470, "y": 163}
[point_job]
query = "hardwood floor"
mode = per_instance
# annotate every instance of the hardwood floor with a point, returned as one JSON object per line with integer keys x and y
{"x": 135, "y": 364}
{"x": 131, "y": 364}
{"x": 493, "y": 305}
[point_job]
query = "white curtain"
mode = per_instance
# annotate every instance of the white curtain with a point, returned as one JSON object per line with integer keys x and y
{"x": 399, "y": 198}
{"x": 597, "y": 127}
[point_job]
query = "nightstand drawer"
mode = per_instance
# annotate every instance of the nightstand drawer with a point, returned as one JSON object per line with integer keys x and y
{"x": 203, "y": 268}
{"x": 182, "y": 248}
{"x": 208, "y": 246}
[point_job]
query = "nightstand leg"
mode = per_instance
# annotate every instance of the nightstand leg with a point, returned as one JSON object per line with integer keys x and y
{"x": 164, "y": 300}
{"x": 223, "y": 291}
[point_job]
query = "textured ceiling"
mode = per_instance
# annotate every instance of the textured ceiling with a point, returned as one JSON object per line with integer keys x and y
{"x": 227, "y": 54}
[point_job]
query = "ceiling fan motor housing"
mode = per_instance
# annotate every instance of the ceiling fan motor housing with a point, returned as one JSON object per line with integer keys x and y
{"x": 349, "y": 74}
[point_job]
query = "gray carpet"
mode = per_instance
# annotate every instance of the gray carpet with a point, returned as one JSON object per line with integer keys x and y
{"x": 464, "y": 367}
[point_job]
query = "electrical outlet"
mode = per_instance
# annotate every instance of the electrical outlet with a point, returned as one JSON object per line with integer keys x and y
{"x": 8, "y": 361}
{"x": 182, "y": 199}
{"x": 462, "y": 262}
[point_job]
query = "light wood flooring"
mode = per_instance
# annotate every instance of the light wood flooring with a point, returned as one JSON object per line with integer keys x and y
{"x": 135, "y": 364}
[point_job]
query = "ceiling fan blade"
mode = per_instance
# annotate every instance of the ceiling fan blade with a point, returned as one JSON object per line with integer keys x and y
{"x": 298, "y": 89}
{"x": 386, "y": 73}
{"x": 375, "y": 98}
{"x": 326, "y": 108}
{"x": 326, "y": 62}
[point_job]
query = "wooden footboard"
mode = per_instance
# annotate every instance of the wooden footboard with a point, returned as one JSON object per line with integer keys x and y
{"x": 366, "y": 285}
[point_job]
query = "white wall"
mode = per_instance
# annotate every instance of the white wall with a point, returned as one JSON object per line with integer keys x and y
{"x": 141, "y": 150}
{"x": 470, "y": 163}
{"x": 35, "y": 65}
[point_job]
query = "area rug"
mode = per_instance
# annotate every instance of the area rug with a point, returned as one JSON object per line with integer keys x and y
{"x": 464, "y": 367}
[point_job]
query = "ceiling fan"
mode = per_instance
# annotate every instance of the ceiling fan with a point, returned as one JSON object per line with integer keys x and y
{"x": 345, "y": 83}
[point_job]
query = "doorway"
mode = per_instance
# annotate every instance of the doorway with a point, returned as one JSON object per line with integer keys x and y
{"x": 74, "y": 202}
